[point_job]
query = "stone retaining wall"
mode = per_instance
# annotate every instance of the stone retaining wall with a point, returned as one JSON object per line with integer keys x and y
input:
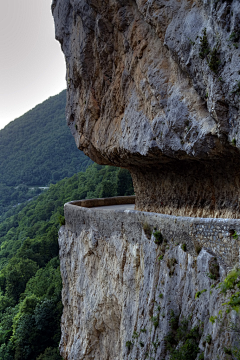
{"x": 217, "y": 234}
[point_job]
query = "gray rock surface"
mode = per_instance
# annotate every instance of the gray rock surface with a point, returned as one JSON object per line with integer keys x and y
{"x": 154, "y": 86}
{"x": 116, "y": 289}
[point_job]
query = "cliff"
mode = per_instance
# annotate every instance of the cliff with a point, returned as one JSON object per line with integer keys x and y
{"x": 128, "y": 296}
{"x": 154, "y": 87}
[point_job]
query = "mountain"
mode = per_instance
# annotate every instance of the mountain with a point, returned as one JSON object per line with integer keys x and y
{"x": 38, "y": 148}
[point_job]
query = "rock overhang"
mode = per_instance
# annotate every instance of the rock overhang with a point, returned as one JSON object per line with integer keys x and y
{"x": 144, "y": 94}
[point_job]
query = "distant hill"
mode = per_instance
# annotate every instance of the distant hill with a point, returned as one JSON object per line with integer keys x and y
{"x": 38, "y": 148}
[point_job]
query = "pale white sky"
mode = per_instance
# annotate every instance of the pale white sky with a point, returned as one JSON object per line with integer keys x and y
{"x": 32, "y": 66}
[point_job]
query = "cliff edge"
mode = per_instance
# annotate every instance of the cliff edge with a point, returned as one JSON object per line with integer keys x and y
{"x": 128, "y": 294}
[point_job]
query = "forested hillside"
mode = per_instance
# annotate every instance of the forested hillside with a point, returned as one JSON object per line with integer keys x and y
{"x": 38, "y": 148}
{"x": 35, "y": 150}
{"x": 30, "y": 281}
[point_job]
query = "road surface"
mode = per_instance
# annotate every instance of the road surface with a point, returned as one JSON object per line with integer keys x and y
{"x": 115, "y": 207}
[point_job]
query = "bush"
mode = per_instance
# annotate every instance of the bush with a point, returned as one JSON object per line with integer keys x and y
{"x": 158, "y": 237}
{"x": 61, "y": 220}
{"x": 50, "y": 354}
{"x": 184, "y": 247}
{"x": 188, "y": 351}
{"x": 147, "y": 230}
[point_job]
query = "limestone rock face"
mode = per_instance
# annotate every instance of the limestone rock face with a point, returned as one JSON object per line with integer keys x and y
{"x": 154, "y": 86}
{"x": 121, "y": 301}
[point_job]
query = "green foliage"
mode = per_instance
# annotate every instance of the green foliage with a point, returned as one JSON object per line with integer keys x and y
{"x": 61, "y": 219}
{"x": 198, "y": 293}
{"x": 124, "y": 183}
{"x": 38, "y": 148}
{"x": 160, "y": 257}
{"x": 155, "y": 321}
{"x": 211, "y": 276}
{"x": 208, "y": 339}
{"x": 212, "y": 319}
{"x": 212, "y": 56}
{"x": 155, "y": 345}
{"x": 234, "y": 37}
{"x": 180, "y": 334}
{"x": 227, "y": 351}
{"x": 30, "y": 280}
{"x": 184, "y": 247}
{"x": 50, "y": 354}
{"x": 237, "y": 91}
{"x": 214, "y": 60}
{"x": 35, "y": 150}
{"x": 230, "y": 281}
{"x": 173, "y": 320}
{"x": 128, "y": 344}
{"x": 147, "y": 230}
{"x": 235, "y": 235}
{"x": 204, "y": 46}
{"x": 188, "y": 351}
{"x": 236, "y": 352}
{"x": 234, "y": 142}
{"x": 17, "y": 273}
{"x": 158, "y": 237}
{"x": 135, "y": 335}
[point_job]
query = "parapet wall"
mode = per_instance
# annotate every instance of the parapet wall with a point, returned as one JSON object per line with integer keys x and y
{"x": 117, "y": 200}
{"x": 218, "y": 235}
{"x": 121, "y": 289}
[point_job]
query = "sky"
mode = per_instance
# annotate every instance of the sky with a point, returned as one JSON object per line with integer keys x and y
{"x": 32, "y": 66}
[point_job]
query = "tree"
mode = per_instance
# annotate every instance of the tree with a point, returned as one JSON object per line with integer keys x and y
{"x": 124, "y": 183}
{"x": 17, "y": 274}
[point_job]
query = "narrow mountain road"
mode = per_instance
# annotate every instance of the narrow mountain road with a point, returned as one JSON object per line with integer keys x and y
{"x": 115, "y": 207}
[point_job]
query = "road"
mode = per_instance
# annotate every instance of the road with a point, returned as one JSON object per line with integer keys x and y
{"x": 115, "y": 207}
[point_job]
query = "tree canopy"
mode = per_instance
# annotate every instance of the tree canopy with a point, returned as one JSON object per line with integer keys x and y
{"x": 37, "y": 149}
{"x": 30, "y": 280}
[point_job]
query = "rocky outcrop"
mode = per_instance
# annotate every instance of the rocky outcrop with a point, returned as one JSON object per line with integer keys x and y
{"x": 127, "y": 295}
{"x": 154, "y": 86}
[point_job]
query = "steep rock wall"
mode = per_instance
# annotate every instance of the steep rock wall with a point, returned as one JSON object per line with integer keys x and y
{"x": 154, "y": 86}
{"x": 118, "y": 292}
